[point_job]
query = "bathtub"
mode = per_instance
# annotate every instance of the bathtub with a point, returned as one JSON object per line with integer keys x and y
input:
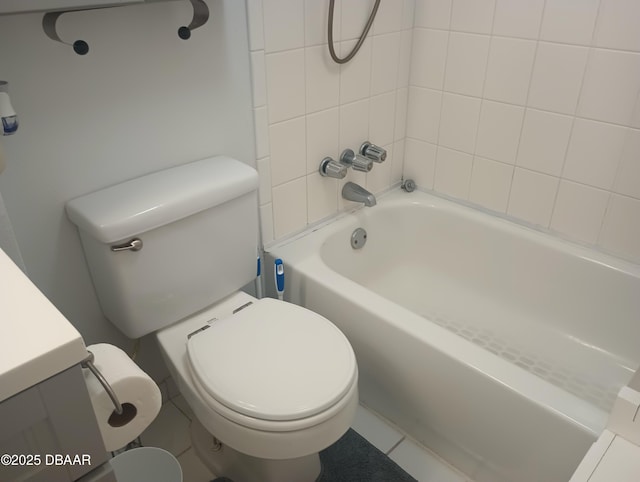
{"x": 499, "y": 347}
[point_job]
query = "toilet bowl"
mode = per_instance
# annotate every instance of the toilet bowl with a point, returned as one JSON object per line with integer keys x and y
{"x": 271, "y": 383}
{"x": 274, "y": 383}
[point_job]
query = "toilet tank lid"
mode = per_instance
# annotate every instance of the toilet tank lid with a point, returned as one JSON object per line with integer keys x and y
{"x": 139, "y": 205}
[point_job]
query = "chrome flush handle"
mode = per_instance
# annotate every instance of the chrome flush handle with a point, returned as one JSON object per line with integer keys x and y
{"x": 133, "y": 245}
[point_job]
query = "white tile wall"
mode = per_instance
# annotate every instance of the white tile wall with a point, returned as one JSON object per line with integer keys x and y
{"x": 316, "y": 32}
{"x": 635, "y": 121}
{"x": 384, "y": 63}
{"x": 423, "y": 116}
{"x": 382, "y": 119}
{"x": 532, "y": 196}
{"x": 453, "y": 172}
{"x": 629, "y": 169}
{"x": 459, "y": 122}
{"x": 285, "y": 84}
{"x": 518, "y": 18}
{"x": 390, "y": 18}
{"x": 322, "y": 197}
{"x": 499, "y": 130}
{"x": 529, "y": 107}
{"x": 579, "y": 211}
{"x": 322, "y": 81}
{"x": 568, "y": 21}
{"x": 621, "y": 229}
{"x": 610, "y": 86}
{"x": 307, "y": 107}
{"x": 543, "y": 141}
{"x": 323, "y": 129}
{"x": 397, "y": 161}
{"x": 509, "y": 69}
{"x": 557, "y": 76}
{"x": 355, "y": 76}
{"x": 594, "y": 152}
{"x": 466, "y": 63}
{"x": 400, "y": 128}
{"x": 354, "y": 16}
{"x": 404, "y": 65}
{"x": 541, "y": 98}
{"x": 266, "y": 223}
{"x": 288, "y": 214}
{"x": 354, "y": 125}
{"x": 277, "y": 13}
{"x": 261, "y": 118}
{"x": 617, "y": 25}
{"x": 433, "y": 13}
{"x": 429, "y": 57}
{"x": 472, "y": 15}
{"x": 264, "y": 171}
{"x": 258, "y": 72}
{"x": 420, "y": 162}
{"x": 490, "y": 184}
{"x": 288, "y": 145}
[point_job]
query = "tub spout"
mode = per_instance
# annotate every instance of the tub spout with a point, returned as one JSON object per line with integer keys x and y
{"x": 352, "y": 192}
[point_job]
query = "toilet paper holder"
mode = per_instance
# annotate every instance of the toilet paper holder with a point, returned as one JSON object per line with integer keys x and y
{"x": 88, "y": 363}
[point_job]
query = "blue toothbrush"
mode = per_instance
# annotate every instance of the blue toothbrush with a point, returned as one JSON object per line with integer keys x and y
{"x": 279, "y": 278}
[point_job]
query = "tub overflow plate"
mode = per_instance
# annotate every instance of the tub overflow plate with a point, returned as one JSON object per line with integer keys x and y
{"x": 358, "y": 238}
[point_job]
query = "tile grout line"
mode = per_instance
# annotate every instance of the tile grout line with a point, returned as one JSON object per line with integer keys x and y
{"x": 526, "y": 105}
{"x": 180, "y": 410}
{"x": 482, "y": 103}
{"x": 177, "y": 456}
{"x": 394, "y": 446}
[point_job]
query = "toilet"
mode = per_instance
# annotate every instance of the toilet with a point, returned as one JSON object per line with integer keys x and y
{"x": 271, "y": 384}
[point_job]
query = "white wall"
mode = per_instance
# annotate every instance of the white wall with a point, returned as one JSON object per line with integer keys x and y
{"x": 307, "y": 107}
{"x": 530, "y": 108}
{"x": 140, "y": 101}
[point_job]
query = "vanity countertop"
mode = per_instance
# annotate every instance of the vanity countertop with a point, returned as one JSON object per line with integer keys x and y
{"x": 36, "y": 340}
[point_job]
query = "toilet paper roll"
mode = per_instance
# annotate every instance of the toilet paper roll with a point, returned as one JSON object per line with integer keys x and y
{"x": 137, "y": 393}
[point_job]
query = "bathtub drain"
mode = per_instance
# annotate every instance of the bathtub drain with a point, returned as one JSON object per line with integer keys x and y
{"x": 358, "y": 238}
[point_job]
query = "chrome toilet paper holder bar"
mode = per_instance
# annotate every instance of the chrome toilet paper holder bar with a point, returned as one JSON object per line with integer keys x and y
{"x": 88, "y": 363}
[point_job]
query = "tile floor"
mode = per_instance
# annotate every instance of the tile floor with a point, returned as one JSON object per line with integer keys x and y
{"x": 170, "y": 431}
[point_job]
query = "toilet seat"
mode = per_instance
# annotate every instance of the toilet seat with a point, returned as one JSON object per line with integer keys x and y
{"x": 273, "y": 364}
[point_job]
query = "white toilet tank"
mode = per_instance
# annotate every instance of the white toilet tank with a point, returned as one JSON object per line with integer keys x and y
{"x": 198, "y": 224}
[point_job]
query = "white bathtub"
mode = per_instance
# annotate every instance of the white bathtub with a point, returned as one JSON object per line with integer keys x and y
{"x": 499, "y": 347}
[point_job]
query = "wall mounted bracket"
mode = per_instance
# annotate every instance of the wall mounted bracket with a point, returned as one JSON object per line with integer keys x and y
{"x": 200, "y": 17}
{"x": 49, "y": 26}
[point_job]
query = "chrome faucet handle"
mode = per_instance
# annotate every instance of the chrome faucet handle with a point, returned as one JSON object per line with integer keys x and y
{"x": 330, "y": 168}
{"x": 357, "y": 161}
{"x": 373, "y": 152}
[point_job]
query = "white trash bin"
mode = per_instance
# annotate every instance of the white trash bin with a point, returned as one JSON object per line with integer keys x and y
{"x": 146, "y": 464}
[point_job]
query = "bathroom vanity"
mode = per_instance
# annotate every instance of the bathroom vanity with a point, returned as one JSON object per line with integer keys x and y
{"x": 48, "y": 431}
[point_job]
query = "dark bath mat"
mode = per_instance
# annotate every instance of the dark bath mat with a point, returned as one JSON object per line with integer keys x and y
{"x": 353, "y": 459}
